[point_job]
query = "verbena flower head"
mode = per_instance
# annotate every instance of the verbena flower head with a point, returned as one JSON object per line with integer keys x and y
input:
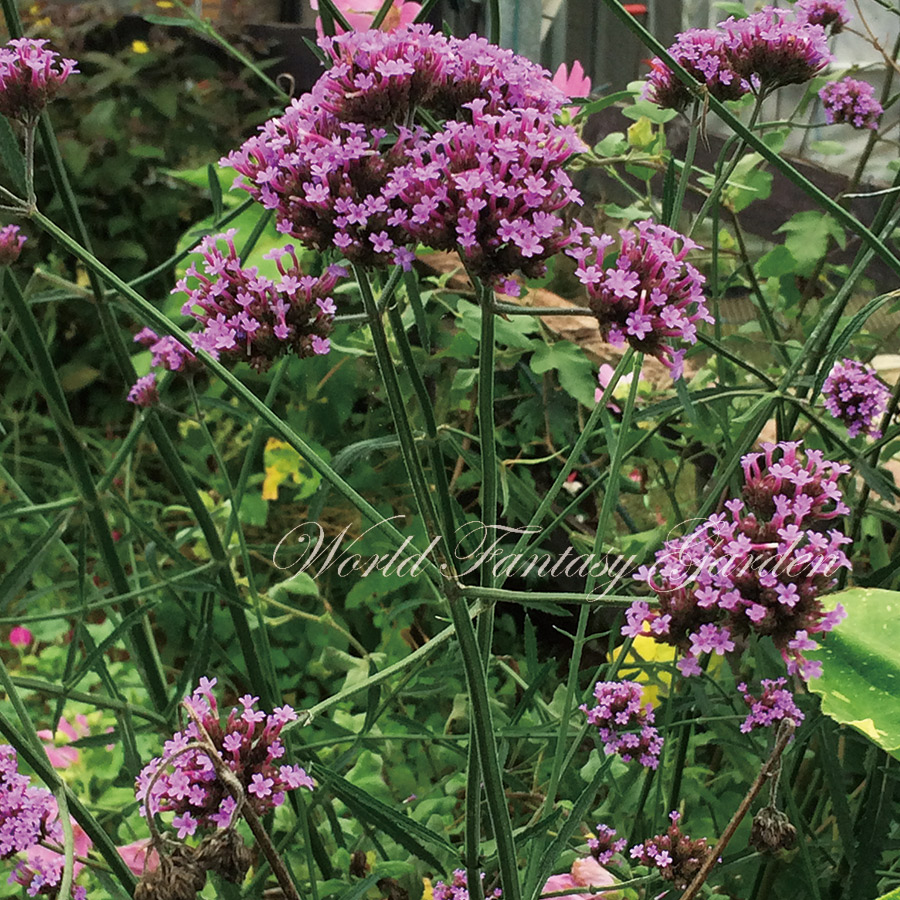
{"x": 42, "y": 872}
{"x": 703, "y": 52}
{"x": 167, "y": 353}
{"x": 30, "y": 77}
{"x": 458, "y": 888}
{"x": 27, "y": 813}
{"x": 625, "y": 726}
{"x": 651, "y": 296}
{"x": 248, "y": 743}
{"x": 677, "y": 857}
{"x": 855, "y": 395}
{"x": 144, "y": 391}
{"x": 851, "y": 102}
{"x": 758, "y": 568}
{"x": 830, "y": 14}
{"x": 348, "y": 165}
{"x": 606, "y": 845}
{"x": 494, "y": 188}
{"x": 248, "y": 316}
{"x": 775, "y": 704}
{"x": 771, "y": 49}
{"x": 11, "y": 243}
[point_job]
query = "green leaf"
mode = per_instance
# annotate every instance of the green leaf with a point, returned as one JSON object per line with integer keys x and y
{"x": 512, "y": 333}
{"x": 215, "y": 190}
{"x": 410, "y": 834}
{"x": 777, "y": 262}
{"x": 808, "y": 234}
{"x": 860, "y": 683}
{"x": 596, "y": 106}
{"x": 644, "y": 108}
{"x": 576, "y": 371}
{"x": 828, "y": 148}
{"x": 732, "y": 8}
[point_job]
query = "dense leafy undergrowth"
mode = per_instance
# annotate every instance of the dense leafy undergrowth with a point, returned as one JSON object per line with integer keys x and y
{"x": 382, "y": 518}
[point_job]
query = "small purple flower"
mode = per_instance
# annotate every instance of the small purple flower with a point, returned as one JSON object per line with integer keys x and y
{"x": 650, "y": 296}
{"x": 144, "y": 392}
{"x": 187, "y": 784}
{"x": 625, "y": 727}
{"x": 11, "y": 243}
{"x": 851, "y": 102}
{"x": 855, "y": 395}
{"x": 830, "y": 14}
{"x": 775, "y": 704}
{"x": 30, "y": 77}
{"x": 605, "y": 845}
{"x": 458, "y": 888}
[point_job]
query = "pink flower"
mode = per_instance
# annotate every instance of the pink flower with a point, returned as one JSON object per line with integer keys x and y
{"x": 20, "y": 636}
{"x": 61, "y": 757}
{"x": 11, "y": 243}
{"x": 572, "y": 84}
{"x": 585, "y": 872}
{"x": 361, "y": 13}
{"x": 139, "y": 857}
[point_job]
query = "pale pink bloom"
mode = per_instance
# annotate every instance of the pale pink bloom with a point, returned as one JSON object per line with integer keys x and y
{"x": 604, "y": 376}
{"x": 361, "y": 13}
{"x": 139, "y": 857}
{"x": 20, "y": 636}
{"x": 585, "y": 872}
{"x": 572, "y": 84}
{"x": 61, "y": 757}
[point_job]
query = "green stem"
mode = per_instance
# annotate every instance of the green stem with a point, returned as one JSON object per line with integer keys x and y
{"x": 150, "y": 315}
{"x": 687, "y": 166}
{"x": 483, "y": 726}
{"x": 140, "y": 634}
{"x": 65, "y": 882}
{"x": 388, "y": 372}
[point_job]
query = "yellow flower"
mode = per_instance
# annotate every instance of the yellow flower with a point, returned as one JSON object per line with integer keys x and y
{"x": 164, "y": 4}
{"x": 139, "y": 47}
{"x": 428, "y": 892}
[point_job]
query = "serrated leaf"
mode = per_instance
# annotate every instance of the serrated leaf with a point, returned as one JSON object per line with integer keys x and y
{"x": 860, "y": 682}
{"x": 575, "y": 370}
{"x": 777, "y": 262}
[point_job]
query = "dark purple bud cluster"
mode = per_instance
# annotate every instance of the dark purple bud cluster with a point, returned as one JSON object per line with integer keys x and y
{"x": 856, "y": 396}
{"x": 758, "y": 569}
{"x": 651, "y": 295}
{"x": 351, "y": 164}
{"x": 775, "y": 703}
{"x": 624, "y": 725}
{"x": 184, "y": 781}
{"x": 605, "y": 846}
{"x": 677, "y": 857}
{"x": 763, "y": 51}
{"x": 851, "y": 102}
{"x": 30, "y": 77}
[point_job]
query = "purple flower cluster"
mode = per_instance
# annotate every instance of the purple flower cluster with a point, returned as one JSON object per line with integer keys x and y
{"x": 605, "y": 846}
{"x": 11, "y": 243}
{"x": 27, "y": 814}
{"x": 168, "y": 354}
{"x": 775, "y": 704}
{"x": 458, "y": 888}
{"x": 757, "y": 569}
{"x": 830, "y": 14}
{"x": 650, "y": 295}
{"x": 763, "y": 51}
{"x": 851, "y": 102}
{"x": 347, "y": 166}
{"x": 248, "y": 316}
{"x": 856, "y": 396}
{"x": 42, "y": 874}
{"x": 30, "y": 77}
{"x": 677, "y": 857}
{"x": 184, "y": 780}
{"x": 144, "y": 391}
{"x": 624, "y": 725}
